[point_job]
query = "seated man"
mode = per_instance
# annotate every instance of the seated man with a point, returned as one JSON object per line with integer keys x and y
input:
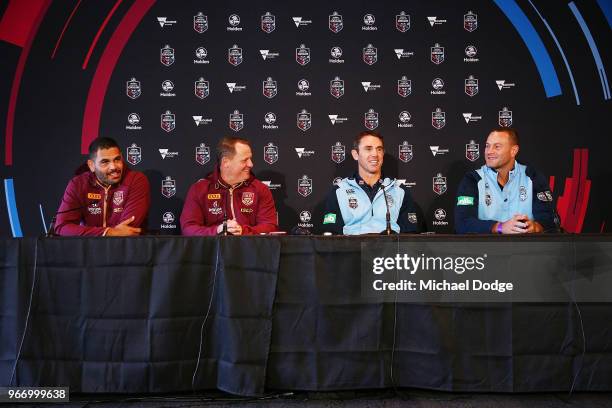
{"x": 504, "y": 196}
{"x": 357, "y": 204}
{"x": 230, "y": 195}
{"x": 109, "y": 200}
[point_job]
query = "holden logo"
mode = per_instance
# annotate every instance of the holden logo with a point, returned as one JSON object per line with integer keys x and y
{"x": 305, "y": 216}
{"x": 440, "y": 214}
{"x": 168, "y": 217}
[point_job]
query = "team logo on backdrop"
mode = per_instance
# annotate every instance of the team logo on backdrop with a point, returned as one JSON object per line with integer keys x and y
{"x": 438, "y": 119}
{"x": 437, "y": 54}
{"x": 248, "y": 198}
{"x": 133, "y": 89}
{"x": 302, "y": 55}
{"x": 338, "y": 152}
{"x": 270, "y": 88}
{"x": 133, "y": 122}
{"x": 304, "y": 186}
{"x": 201, "y": 53}
{"x": 201, "y": 88}
{"x": 336, "y": 55}
{"x": 134, "y": 154}
{"x": 304, "y": 120}
{"x": 270, "y": 153}
{"x": 470, "y": 21}
{"x": 405, "y": 152}
{"x": 168, "y": 121}
{"x": 336, "y": 87}
{"x": 202, "y": 154}
{"x": 370, "y": 54}
{"x": 404, "y": 87}
{"x": 118, "y": 197}
{"x": 335, "y": 22}
{"x": 472, "y": 151}
{"x": 370, "y": 119}
{"x": 471, "y": 86}
{"x": 402, "y": 22}
{"x": 236, "y": 121}
{"x": 200, "y": 23}
{"x": 438, "y": 87}
{"x": 404, "y": 120}
{"x": 470, "y": 54}
{"x": 234, "y": 55}
{"x": 268, "y": 22}
{"x": 166, "y": 55}
{"x": 234, "y": 22}
{"x": 168, "y": 187}
{"x": 439, "y": 184}
{"x": 505, "y": 117}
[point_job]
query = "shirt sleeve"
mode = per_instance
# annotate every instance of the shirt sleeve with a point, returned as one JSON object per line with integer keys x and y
{"x": 69, "y": 223}
{"x": 332, "y": 216}
{"x": 542, "y": 205}
{"x": 138, "y": 202}
{"x": 266, "y": 220}
{"x": 407, "y": 213}
{"x": 466, "y": 207}
{"x": 193, "y": 218}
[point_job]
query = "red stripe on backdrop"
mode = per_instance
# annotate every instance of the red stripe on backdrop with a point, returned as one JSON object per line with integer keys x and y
{"x": 66, "y": 24}
{"x": 25, "y": 52}
{"x": 18, "y": 20}
{"x": 97, "y": 37}
{"x": 572, "y": 205}
{"x": 108, "y": 61}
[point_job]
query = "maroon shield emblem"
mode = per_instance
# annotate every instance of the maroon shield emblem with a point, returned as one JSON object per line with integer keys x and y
{"x": 302, "y": 55}
{"x": 438, "y": 119}
{"x": 268, "y": 23}
{"x": 202, "y": 154}
{"x": 472, "y": 151}
{"x": 234, "y": 55}
{"x": 370, "y": 54}
{"x": 370, "y": 119}
{"x": 505, "y": 117}
{"x": 336, "y": 87}
{"x": 437, "y": 54}
{"x": 166, "y": 55}
{"x": 404, "y": 87}
{"x": 270, "y": 89}
{"x": 402, "y": 22}
{"x": 270, "y": 153}
{"x": 304, "y": 186}
{"x": 338, "y": 152}
{"x": 335, "y": 22}
{"x": 236, "y": 121}
{"x": 439, "y": 184}
{"x": 168, "y": 121}
{"x": 201, "y": 88}
{"x": 200, "y": 23}
{"x": 470, "y": 21}
{"x": 471, "y": 86}
{"x": 132, "y": 88}
{"x": 405, "y": 152}
{"x": 304, "y": 120}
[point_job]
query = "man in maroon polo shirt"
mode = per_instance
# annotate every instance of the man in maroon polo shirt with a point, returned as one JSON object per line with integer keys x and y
{"x": 109, "y": 200}
{"x": 230, "y": 193}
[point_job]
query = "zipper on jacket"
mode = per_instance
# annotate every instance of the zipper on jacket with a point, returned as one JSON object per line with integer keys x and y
{"x": 105, "y": 205}
{"x": 231, "y": 192}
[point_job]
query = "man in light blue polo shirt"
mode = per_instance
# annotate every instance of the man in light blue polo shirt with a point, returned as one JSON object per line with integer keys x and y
{"x": 504, "y": 196}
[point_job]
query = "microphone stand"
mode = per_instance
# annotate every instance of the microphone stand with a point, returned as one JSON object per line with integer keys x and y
{"x": 388, "y": 230}
{"x": 224, "y": 231}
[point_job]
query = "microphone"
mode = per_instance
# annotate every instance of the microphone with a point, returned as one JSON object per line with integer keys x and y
{"x": 387, "y": 231}
{"x": 51, "y": 232}
{"x": 224, "y": 231}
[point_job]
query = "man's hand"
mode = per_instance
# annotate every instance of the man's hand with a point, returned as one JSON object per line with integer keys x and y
{"x": 123, "y": 229}
{"x": 515, "y": 225}
{"x": 232, "y": 227}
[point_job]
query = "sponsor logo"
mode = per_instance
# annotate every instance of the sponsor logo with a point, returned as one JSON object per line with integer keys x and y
{"x": 401, "y": 53}
{"x": 271, "y": 186}
{"x": 134, "y": 155}
{"x": 336, "y": 119}
{"x": 168, "y": 219}
{"x": 370, "y": 54}
{"x": 439, "y": 184}
{"x": 436, "y": 151}
{"x": 166, "y": 153}
{"x": 133, "y": 122}
{"x": 215, "y": 209}
{"x": 329, "y": 218}
{"x": 234, "y": 87}
{"x": 522, "y": 193}
{"x": 303, "y": 86}
{"x": 502, "y": 84}
{"x": 163, "y": 22}
{"x": 94, "y": 196}
{"x": 336, "y": 55}
{"x": 168, "y": 187}
{"x": 470, "y": 117}
{"x": 302, "y": 152}
{"x": 216, "y": 196}
{"x": 370, "y": 119}
{"x": 305, "y": 217}
{"x": 202, "y": 154}
{"x": 369, "y": 86}
{"x": 335, "y": 22}
{"x": 404, "y": 120}
{"x": 438, "y": 119}
{"x": 270, "y": 153}
{"x": 336, "y": 87}
{"x": 270, "y": 119}
{"x": 405, "y": 153}
{"x": 470, "y": 54}
{"x": 268, "y": 22}
{"x": 338, "y": 152}
{"x": 236, "y": 121}
{"x": 133, "y": 89}
{"x": 168, "y": 121}
{"x": 234, "y": 23}
{"x": 200, "y": 23}
{"x": 437, "y": 54}
{"x": 472, "y": 151}
{"x": 470, "y": 21}
{"x": 94, "y": 209}
{"x": 201, "y": 88}
{"x": 300, "y": 22}
{"x": 167, "y": 87}
{"x": 269, "y": 88}
{"x": 505, "y": 117}
{"x": 369, "y": 23}
{"x": 248, "y": 198}
{"x": 304, "y": 186}
{"x": 401, "y": 182}
{"x": 304, "y": 120}
{"x": 201, "y": 53}
{"x": 402, "y": 22}
{"x": 166, "y": 55}
{"x": 302, "y": 55}
{"x": 118, "y": 197}
{"x": 438, "y": 87}
{"x": 434, "y": 20}
{"x": 471, "y": 86}
{"x": 404, "y": 86}
{"x": 234, "y": 55}
{"x": 268, "y": 55}
{"x": 545, "y": 196}
{"x": 440, "y": 218}
{"x": 465, "y": 200}
{"x": 200, "y": 120}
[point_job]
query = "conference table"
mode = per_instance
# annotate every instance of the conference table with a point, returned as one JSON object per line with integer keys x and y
{"x": 246, "y": 315}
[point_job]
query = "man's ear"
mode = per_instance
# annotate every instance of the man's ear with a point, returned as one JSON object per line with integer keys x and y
{"x": 91, "y": 165}
{"x": 514, "y": 150}
{"x": 355, "y": 154}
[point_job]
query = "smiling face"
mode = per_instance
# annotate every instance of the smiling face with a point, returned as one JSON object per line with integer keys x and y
{"x": 369, "y": 156}
{"x": 238, "y": 167}
{"x": 107, "y": 165}
{"x": 500, "y": 152}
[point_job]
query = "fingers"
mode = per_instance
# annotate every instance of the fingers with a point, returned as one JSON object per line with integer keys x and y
{"x": 127, "y": 221}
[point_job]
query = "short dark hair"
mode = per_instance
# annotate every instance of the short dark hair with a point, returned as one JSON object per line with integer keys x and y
{"x": 364, "y": 134}
{"x": 101, "y": 143}
{"x": 227, "y": 147}
{"x": 512, "y": 133}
